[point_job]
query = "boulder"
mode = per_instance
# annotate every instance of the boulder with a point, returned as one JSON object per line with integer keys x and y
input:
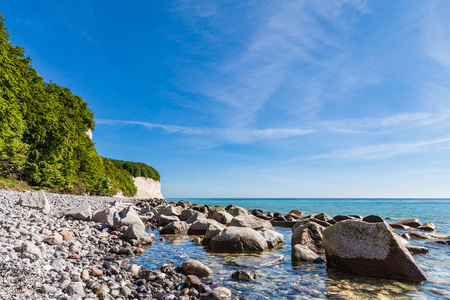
{"x": 258, "y": 261}
{"x": 193, "y": 281}
{"x": 168, "y": 210}
{"x": 369, "y": 249}
{"x": 55, "y": 239}
{"x": 237, "y": 210}
{"x": 214, "y": 295}
{"x": 310, "y": 220}
{"x": 427, "y": 227}
{"x": 105, "y": 216}
{"x": 373, "y": 219}
{"x": 250, "y": 221}
{"x": 30, "y": 250}
{"x": 310, "y": 235}
{"x": 339, "y": 218}
{"x": 220, "y": 215}
{"x": 127, "y": 217}
{"x": 196, "y": 217}
{"x": 238, "y": 240}
{"x": 416, "y": 235}
{"x": 260, "y": 215}
{"x": 272, "y": 237}
{"x": 82, "y": 213}
{"x": 177, "y": 227}
{"x": 244, "y": 275}
{"x": 187, "y": 213}
{"x": 303, "y": 254}
{"x": 295, "y": 214}
{"x": 322, "y": 217}
{"x": 195, "y": 267}
{"x": 36, "y": 200}
{"x": 201, "y": 227}
{"x": 213, "y": 230}
{"x": 135, "y": 232}
{"x": 164, "y": 220}
{"x": 412, "y": 222}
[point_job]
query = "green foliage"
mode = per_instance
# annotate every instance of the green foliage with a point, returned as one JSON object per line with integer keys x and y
{"x": 136, "y": 168}
{"x": 43, "y": 138}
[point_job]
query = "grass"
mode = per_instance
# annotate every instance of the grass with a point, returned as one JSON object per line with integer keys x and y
{"x": 14, "y": 184}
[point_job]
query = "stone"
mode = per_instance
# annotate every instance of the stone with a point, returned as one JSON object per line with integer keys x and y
{"x": 310, "y": 235}
{"x": 193, "y": 281}
{"x": 322, "y": 217}
{"x": 197, "y": 217}
{"x": 75, "y": 288}
{"x": 258, "y": 261}
{"x": 95, "y": 272}
{"x": 416, "y": 235}
{"x": 135, "y": 269}
{"x": 82, "y": 213}
{"x": 412, "y": 249}
{"x": 164, "y": 220}
{"x": 214, "y": 295}
{"x": 168, "y": 211}
{"x": 55, "y": 239}
{"x": 369, "y": 249}
{"x": 273, "y": 238}
{"x": 301, "y": 253}
{"x": 197, "y": 240}
{"x": 373, "y": 219}
{"x": 66, "y": 235}
{"x": 236, "y": 211}
{"x": 178, "y": 228}
{"x": 73, "y": 256}
{"x": 36, "y": 200}
{"x": 186, "y": 214}
{"x": 105, "y": 216}
{"x": 135, "y": 232}
{"x": 220, "y": 215}
{"x": 307, "y": 220}
{"x": 238, "y": 240}
{"x": 250, "y": 221}
{"x": 49, "y": 289}
{"x": 244, "y": 275}
{"x": 127, "y": 217}
{"x": 412, "y": 222}
{"x": 295, "y": 213}
{"x": 195, "y": 267}
{"x": 30, "y": 250}
{"x": 200, "y": 227}
{"x": 213, "y": 230}
{"x": 427, "y": 227}
{"x": 84, "y": 274}
{"x": 125, "y": 291}
{"x": 102, "y": 289}
{"x": 223, "y": 290}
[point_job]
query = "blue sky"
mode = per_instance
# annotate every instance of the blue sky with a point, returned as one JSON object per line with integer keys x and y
{"x": 258, "y": 98}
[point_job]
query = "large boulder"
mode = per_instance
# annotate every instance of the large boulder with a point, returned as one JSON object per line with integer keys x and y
{"x": 272, "y": 237}
{"x": 303, "y": 254}
{"x": 427, "y": 227}
{"x": 237, "y": 210}
{"x": 135, "y": 232}
{"x": 105, "y": 216}
{"x": 196, "y": 217}
{"x": 369, "y": 249}
{"x": 186, "y": 214}
{"x": 164, "y": 220}
{"x": 310, "y": 235}
{"x": 177, "y": 227}
{"x": 213, "y": 230}
{"x": 168, "y": 211}
{"x": 36, "y": 200}
{"x": 412, "y": 222}
{"x": 250, "y": 221}
{"x": 239, "y": 240}
{"x": 220, "y": 215}
{"x": 127, "y": 217}
{"x": 30, "y": 250}
{"x": 201, "y": 227}
{"x": 82, "y": 213}
{"x": 194, "y": 267}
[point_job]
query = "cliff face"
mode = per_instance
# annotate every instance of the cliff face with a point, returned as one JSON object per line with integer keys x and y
{"x": 147, "y": 188}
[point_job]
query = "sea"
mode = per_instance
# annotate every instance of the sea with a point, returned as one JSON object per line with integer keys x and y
{"x": 285, "y": 280}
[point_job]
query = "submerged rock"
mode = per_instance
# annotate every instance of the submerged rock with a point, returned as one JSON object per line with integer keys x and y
{"x": 412, "y": 222}
{"x": 303, "y": 254}
{"x": 239, "y": 240}
{"x": 258, "y": 261}
{"x": 427, "y": 227}
{"x": 369, "y": 249}
{"x": 244, "y": 275}
{"x": 195, "y": 267}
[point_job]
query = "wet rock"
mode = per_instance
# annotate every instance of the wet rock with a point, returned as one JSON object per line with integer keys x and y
{"x": 369, "y": 249}
{"x": 272, "y": 237}
{"x": 238, "y": 240}
{"x": 244, "y": 275}
{"x": 446, "y": 243}
{"x": 250, "y": 221}
{"x": 82, "y": 213}
{"x": 427, "y": 227}
{"x": 223, "y": 290}
{"x": 302, "y": 253}
{"x": 36, "y": 200}
{"x": 164, "y": 220}
{"x": 30, "y": 250}
{"x": 136, "y": 232}
{"x": 127, "y": 217}
{"x": 260, "y": 215}
{"x": 214, "y": 295}
{"x": 178, "y": 228}
{"x": 417, "y": 249}
{"x": 193, "y": 281}
{"x": 195, "y": 267}
{"x": 310, "y": 235}
{"x": 416, "y": 235}
{"x": 258, "y": 261}
{"x": 197, "y": 240}
{"x": 373, "y": 219}
{"x": 323, "y": 217}
{"x": 412, "y": 222}
{"x": 339, "y": 218}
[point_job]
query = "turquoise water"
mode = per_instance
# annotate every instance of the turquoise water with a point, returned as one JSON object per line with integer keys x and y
{"x": 286, "y": 281}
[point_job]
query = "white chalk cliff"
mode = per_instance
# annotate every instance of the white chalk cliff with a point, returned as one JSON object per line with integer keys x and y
{"x": 147, "y": 188}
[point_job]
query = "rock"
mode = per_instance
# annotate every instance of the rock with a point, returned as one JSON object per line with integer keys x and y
{"x": 373, "y": 219}
{"x": 260, "y": 215}
{"x": 82, "y": 213}
{"x": 238, "y": 240}
{"x": 412, "y": 222}
{"x": 258, "y": 261}
{"x": 213, "y": 230}
{"x": 186, "y": 214}
{"x": 105, "y": 216}
{"x": 193, "y": 281}
{"x": 36, "y": 200}
{"x": 194, "y": 267}
{"x": 250, "y": 221}
{"x": 244, "y": 275}
{"x": 178, "y": 228}
{"x": 96, "y": 272}
{"x": 102, "y": 289}
{"x": 30, "y": 250}
{"x": 197, "y": 240}
{"x": 223, "y": 290}
{"x": 220, "y": 215}
{"x": 339, "y": 218}
{"x": 135, "y": 269}
{"x": 200, "y": 227}
{"x": 66, "y": 235}
{"x": 164, "y": 220}
{"x": 135, "y": 232}
{"x": 416, "y": 235}
{"x": 427, "y": 227}
{"x": 84, "y": 274}
{"x": 310, "y": 235}
{"x": 369, "y": 249}
{"x": 272, "y": 237}
{"x": 322, "y": 217}
{"x": 236, "y": 211}
{"x": 400, "y": 226}
{"x": 307, "y": 220}
{"x": 417, "y": 249}
{"x": 73, "y": 256}
{"x": 75, "y": 288}
{"x": 49, "y": 289}
{"x": 197, "y": 217}
{"x": 55, "y": 239}
{"x": 302, "y": 253}
{"x": 214, "y": 295}
{"x": 295, "y": 214}
{"x": 446, "y": 243}
{"x": 127, "y": 217}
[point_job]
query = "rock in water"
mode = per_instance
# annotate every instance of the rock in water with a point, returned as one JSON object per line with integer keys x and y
{"x": 369, "y": 249}
{"x": 310, "y": 235}
{"x": 137, "y": 233}
{"x": 194, "y": 267}
{"x": 244, "y": 275}
{"x": 272, "y": 237}
{"x": 239, "y": 240}
{"x": 177, "y": 227}
{"x": 303, "y": 254}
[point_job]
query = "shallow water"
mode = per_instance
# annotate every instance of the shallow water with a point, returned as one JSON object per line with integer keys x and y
{"x": 285, "y": 281}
